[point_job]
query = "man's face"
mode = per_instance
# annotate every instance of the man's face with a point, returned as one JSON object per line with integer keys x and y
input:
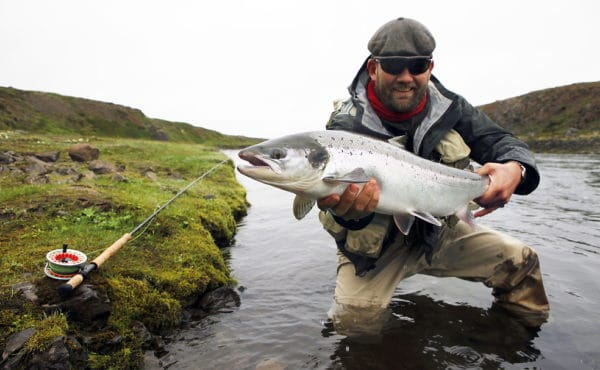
{"x": 401, "y": 92}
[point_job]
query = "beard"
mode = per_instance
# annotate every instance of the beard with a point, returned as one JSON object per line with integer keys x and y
{"x": 399, "y": 97}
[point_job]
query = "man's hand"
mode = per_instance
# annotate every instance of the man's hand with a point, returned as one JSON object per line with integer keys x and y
{"x": 504, "y": 179}
{"x": 353, "y": 203}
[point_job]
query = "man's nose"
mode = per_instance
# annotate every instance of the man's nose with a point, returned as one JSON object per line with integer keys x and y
{"x": 404, "y": 75}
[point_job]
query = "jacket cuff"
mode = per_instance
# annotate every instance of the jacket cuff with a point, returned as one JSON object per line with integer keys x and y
{"x": 356, "y": 224}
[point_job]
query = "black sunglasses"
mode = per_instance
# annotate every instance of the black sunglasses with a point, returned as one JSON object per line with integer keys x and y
{"x": 395, "y": 65}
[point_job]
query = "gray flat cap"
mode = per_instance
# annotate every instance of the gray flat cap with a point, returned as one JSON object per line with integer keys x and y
{"x": 402, "y": 37}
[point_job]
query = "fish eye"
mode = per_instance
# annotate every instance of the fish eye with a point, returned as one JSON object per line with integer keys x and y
{"x": 278, "y": 153}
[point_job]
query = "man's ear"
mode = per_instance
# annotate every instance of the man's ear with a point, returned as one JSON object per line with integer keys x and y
{"x": 372, "y": 68}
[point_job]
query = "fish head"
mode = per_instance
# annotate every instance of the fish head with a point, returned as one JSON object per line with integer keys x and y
{"x": 294, "y": 163}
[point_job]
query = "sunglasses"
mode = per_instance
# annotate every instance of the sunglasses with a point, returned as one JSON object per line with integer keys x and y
{"x": 395, "y": 65}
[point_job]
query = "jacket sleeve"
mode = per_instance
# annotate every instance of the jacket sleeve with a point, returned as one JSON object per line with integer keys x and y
{"x": 491, "y": 143}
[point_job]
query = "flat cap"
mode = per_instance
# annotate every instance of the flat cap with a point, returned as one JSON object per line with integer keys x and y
{"x": 403, "y": 37}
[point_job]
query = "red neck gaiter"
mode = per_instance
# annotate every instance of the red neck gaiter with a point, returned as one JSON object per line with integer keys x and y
{"x": 388, "y": 115}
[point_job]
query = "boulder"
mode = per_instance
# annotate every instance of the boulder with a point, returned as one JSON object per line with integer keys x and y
{"x": 83, "y": 153}
{"x": 100, "y": 167}
{"x": 48, "y": 156}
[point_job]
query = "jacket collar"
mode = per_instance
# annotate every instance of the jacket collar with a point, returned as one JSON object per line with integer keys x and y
{"x": 439, "y": 104}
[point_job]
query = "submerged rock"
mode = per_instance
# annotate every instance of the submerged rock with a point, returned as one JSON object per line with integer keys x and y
{"x": 219, "y": 300}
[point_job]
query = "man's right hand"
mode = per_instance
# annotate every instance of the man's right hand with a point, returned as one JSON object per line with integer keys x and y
{"x": 353, "y": 203}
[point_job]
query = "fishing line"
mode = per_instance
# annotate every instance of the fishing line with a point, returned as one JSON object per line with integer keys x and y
{"x": 70, "y": 264}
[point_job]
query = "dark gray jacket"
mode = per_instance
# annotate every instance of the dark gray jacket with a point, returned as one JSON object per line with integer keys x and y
{"x": 445, "y": 111}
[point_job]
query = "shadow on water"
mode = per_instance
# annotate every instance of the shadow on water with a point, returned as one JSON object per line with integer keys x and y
{"x": 429, "y": 334}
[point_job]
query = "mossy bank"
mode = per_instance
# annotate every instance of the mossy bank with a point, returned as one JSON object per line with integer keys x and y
{"x": 165, "y": 268}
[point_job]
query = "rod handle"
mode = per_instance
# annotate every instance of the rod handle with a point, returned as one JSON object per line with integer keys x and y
{"x": 67, "y": 288}
{"x": 110, "y": 251}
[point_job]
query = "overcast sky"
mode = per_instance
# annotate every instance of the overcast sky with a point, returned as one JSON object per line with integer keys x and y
{"x": 265, "y": 68}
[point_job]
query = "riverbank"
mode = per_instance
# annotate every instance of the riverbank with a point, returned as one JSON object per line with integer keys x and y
{"x": 151, "y": 286}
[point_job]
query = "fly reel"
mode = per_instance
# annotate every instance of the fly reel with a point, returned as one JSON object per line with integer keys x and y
{"x": 63, "y": 264}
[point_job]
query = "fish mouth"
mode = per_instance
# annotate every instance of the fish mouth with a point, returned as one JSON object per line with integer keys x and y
{"x": 253, "y": 159}
{"x": 256, "y": 162}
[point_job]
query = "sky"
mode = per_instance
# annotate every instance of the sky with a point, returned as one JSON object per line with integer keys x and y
{"x": 266, "y": 68}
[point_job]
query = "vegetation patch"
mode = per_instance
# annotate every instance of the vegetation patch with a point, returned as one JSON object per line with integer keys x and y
{"x": 170, "y": 263}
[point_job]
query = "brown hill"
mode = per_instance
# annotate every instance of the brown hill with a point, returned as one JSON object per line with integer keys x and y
{"x": 48, "y": 113}
{"x": 561, "y": 119}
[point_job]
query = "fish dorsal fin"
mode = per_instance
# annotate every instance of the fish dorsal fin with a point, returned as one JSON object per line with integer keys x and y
{"x": 357, "y": 175}
{"x": 404, "y": 222}
{"x": 427, "y": 217}
{"x": 302, "y": 206}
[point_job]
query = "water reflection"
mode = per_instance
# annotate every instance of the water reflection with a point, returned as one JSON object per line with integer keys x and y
{"x": 288, "y": 270}
{"x": 430, "y": 334}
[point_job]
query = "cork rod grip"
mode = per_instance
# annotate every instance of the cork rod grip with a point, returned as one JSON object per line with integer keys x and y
{"x": 110, "y": 251}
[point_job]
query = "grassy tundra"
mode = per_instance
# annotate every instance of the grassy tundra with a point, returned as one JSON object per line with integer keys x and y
{"x": 175, "y": 258}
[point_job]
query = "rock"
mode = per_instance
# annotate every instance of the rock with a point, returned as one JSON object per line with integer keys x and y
{"x": 571, "y": 131}
{"x": 143, "y": 335}
{"x": 37, "y": 167}
{"x": 87, "y": 304}
{"x": 151, "y": 362}
{"x": 83, "y": 153}
{"x": 119, "y": 177}
{"x": 220, "y": 299}
{"x": 67, "y": 171}
{"x": 28, "y": 290}
{"x": 37, "y": 179}
{"x": 48, "y": 156}
{"x": 6, "y": 158}
{"x": 56, "y": 357}
{"x": 16, "y": 341}
{"x": 151, "y": 175}
{"x": 64, "y": 353}
{"x": 88, "y": 175}
{"x": 100, "y": 167}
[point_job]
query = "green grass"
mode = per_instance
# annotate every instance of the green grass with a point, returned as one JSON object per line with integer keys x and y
{"x": 174, "y": 258}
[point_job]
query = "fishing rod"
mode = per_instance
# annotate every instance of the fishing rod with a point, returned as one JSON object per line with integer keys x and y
{"x": 67, "y": 288}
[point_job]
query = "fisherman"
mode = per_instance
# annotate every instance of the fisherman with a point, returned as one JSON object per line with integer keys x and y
{"x": 394, "y": 95}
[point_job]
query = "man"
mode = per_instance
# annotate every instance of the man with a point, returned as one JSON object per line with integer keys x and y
{"x": 395, "y": 95}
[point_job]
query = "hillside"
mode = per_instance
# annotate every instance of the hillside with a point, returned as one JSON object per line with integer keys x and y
{"x": 563, "y": 119}
{"x": 48, "y": 113}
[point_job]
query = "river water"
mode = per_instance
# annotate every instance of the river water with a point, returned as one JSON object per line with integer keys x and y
{"x": 286, "y": 274}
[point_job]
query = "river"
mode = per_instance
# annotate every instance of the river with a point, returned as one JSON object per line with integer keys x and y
{"x": 286, "y": 273}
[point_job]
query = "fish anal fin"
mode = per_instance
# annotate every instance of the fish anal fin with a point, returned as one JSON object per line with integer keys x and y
{"x": 302, "y": 206}
{"x": 465, "y": 214}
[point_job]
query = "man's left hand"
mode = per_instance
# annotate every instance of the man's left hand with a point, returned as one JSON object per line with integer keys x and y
{"x": 504, "y": 179}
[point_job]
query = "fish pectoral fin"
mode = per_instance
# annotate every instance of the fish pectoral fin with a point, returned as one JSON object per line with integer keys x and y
{"x": 302, "y": 206}
{"x": 404, "y": 222}
{"x": 399, "y": 141}
{"x": 427, "y": 217}
{"x": 357, "y": 175}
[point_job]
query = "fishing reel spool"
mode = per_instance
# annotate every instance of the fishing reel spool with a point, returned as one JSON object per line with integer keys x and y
{"x": 63, "y": 264}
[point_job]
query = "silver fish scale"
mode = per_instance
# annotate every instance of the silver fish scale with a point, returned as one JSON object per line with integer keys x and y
{"x": 407, "y": 182}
